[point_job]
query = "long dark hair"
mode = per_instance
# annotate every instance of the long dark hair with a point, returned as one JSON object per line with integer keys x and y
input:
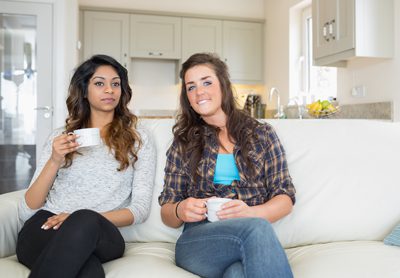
{"x": 188, "y": 130}
{"x": 121, "y": 134}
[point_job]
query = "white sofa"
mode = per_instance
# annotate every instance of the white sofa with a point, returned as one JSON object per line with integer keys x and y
{"x": 347, "y": 176}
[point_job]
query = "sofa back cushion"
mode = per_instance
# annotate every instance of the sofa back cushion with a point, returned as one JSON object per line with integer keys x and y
{"x": 153, "y": 229}
{"x": 347, "y": 177}
{"x": 346, "y": 174}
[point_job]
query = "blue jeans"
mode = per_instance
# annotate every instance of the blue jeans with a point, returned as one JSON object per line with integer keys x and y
{"x": 242, "y": 247}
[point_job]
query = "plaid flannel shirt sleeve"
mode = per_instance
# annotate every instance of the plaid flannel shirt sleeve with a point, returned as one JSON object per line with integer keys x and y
{"x": 277, "y": 172}
{"x": 175, "y": 178}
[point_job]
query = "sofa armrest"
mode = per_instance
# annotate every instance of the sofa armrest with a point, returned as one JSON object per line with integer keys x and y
{"x": 9, "y": 222}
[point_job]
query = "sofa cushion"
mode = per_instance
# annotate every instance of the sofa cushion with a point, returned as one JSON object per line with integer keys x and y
{"x": 394, "y": 237}
{"x": 366, "y": 259}
{"x": 346, "y": 176}
{"x": 147, "y": 260}
{"x": 153, "y": 229}
{"x": 150, "y": 260}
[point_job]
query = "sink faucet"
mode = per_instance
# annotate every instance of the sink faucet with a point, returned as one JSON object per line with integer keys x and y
{"x": 300, "y": 108}
{"x": 279, "y": 114}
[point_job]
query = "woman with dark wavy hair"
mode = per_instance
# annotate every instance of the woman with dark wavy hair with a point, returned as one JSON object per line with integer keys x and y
{"x": 79, "y": 196}
{"x": 219, "y": 151}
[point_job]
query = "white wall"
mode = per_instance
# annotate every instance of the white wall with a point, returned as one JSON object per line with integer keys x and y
{"x": 381, "y": 77}
{"x": 278, "y": 48}
{"x": 234, "y": 8}
{"x": 65, "y": 54}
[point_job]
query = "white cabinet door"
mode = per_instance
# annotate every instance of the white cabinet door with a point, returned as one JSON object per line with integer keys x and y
{"x": 243, "y": 50}
{"x": 201, "y": 35}
{"x": 155, "y": 37}
{"x": 106, "y": 33}
{"x": 324, "y": 13}
{"x": 344, "y": 26}
{"x": 347, "y": 29}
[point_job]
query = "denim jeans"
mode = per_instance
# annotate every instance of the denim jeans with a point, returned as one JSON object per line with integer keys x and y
{"x": 242, "y": 247}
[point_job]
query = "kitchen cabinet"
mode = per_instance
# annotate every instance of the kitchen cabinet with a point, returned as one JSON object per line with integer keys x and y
{"x": 106, "y": 33}
{"x": 129, "y": 35}
{"x": 346, "y": 29}
{"x": 154, "y": 36}
{"x": 243, "y": 50}
{"x": 201, "y": 35}
{"x": 238, "y": 43}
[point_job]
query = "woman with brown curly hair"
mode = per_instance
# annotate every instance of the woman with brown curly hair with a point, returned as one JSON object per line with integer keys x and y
{"x": 80, "y": 195}
{"x": 218, "y": 151}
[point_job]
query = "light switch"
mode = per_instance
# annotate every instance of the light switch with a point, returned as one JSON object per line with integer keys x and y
{"x": 358, "y": 91}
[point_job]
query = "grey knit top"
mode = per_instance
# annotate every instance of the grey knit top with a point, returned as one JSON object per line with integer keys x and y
{"x": 93, "y": 182}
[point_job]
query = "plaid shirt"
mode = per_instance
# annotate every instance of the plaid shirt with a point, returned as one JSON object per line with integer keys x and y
{"x": 271, "y": 176}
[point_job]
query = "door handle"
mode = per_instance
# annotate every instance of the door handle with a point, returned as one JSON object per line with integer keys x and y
{"x": 48, "y": 111}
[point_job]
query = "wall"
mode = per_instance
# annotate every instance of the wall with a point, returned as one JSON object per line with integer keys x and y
{"x": 277, "y": 51}
{"x": 381, "y": 77}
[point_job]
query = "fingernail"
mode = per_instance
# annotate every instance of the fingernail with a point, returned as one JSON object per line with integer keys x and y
{"x": 42, "y": 227}
{"x": 45, "y": 227}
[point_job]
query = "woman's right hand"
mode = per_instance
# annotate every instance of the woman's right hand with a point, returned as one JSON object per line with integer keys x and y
{"x": 192, "y": 209}
{"x": 62, "y": 145}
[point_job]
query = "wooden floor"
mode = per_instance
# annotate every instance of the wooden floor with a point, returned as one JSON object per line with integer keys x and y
{"x": 17, "y": 165}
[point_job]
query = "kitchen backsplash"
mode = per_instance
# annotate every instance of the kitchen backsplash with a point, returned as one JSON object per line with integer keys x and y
{"x": 376, "y": 111}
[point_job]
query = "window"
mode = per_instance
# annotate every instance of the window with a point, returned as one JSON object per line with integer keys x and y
{"x": 316, "y": 82}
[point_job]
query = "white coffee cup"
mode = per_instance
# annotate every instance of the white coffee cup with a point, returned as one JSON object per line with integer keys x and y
{"x": 88, "y": 136}
{"x": 213, "y": 206}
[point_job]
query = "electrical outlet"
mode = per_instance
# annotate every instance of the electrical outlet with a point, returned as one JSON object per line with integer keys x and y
{"x": 358, "y": 91}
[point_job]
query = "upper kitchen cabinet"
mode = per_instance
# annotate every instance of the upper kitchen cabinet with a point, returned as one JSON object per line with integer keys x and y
{"x": 201, "y": 35}
{"x": 106, "y": 33}
{"x": 346, "y": 29}
{"x": 155, "y": 37}
{"x": 243, "y": 50}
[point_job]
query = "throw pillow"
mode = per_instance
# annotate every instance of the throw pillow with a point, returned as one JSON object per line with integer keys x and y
{"x": 394, "y": 237}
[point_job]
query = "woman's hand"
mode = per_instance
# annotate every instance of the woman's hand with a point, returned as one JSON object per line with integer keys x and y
{"x": 192, "y": 209}
{"x": 62, "y": 145}
{"x": 235, "y": 209}
{"x": 55, "y": 221}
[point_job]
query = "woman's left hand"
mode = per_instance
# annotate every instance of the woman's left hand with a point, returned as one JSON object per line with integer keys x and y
{"x": 235, "y": 209}
{"x": 55, "y": 221}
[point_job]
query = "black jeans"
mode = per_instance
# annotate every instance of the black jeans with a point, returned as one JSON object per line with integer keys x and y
{"x": 83, "y": 242}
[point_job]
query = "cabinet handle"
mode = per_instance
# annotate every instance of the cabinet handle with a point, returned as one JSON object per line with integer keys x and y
{"x": 155, "y": 54}
{"x": 325, "y": 31}
{"x": 331, "y": 29}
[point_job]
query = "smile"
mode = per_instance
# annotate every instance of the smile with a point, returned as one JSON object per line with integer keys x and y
{"x": 203, "y": 101}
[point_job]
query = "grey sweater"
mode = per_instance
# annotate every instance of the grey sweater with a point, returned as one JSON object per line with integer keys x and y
{"x": 93, "y": 182}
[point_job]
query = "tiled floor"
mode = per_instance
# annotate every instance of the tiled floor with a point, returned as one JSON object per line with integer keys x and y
{"x": 17, "y": 164}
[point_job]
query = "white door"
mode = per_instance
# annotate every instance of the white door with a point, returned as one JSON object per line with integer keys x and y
{"x": 25, "y": 89}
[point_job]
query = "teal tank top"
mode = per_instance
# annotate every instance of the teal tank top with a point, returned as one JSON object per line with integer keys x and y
{"x": 226, "y": 170}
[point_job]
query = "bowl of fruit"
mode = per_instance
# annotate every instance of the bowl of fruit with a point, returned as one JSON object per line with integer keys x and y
{"x": 322, "y": 109}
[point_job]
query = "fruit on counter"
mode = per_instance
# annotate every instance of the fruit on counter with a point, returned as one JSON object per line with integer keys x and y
{"x": 321, "y": 108}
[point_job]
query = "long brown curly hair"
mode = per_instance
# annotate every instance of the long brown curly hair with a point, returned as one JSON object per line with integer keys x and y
{"x": 120, "y": 135}
{"x": 188, "y": 130}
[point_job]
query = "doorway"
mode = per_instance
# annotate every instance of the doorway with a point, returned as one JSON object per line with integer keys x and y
{"x": 25, "y": 89}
